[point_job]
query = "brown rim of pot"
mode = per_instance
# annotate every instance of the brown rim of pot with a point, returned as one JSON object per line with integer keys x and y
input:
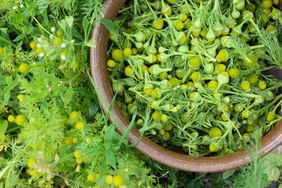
{"x": 146, "y": 146}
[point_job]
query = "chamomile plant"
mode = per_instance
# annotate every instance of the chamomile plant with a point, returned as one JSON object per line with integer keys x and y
{"x": 198, "y": 71}
{"x": 52, "y": 131}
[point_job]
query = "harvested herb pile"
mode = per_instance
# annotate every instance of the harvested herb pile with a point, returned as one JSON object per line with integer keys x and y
{"x": 53, "y": 132}
{"x": 194, "y": 71}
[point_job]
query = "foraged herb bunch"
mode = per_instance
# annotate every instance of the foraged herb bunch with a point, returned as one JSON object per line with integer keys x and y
{"x": 194, "y": 71}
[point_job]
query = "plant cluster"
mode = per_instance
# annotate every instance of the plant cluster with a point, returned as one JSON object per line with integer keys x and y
{"x": 195, "y": 72}
{"x": 52, "y": 130}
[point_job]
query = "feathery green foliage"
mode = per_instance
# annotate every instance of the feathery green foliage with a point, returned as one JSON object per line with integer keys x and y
{"x": 53, "y": 132}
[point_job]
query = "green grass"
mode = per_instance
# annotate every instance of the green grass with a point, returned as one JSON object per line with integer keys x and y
{"x": 45, "y": 147}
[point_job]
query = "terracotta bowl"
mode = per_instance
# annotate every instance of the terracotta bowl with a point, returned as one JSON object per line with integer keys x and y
{"x": 146, "y": 146}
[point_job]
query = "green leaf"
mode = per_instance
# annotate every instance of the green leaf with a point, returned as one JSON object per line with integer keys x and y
{"x": 128, "y": 129}
{"x": 109, "y": 133}
{"x": 91, "y": 43}
{"x": 45, "y": 17}
{"x": 227, "y": 174}
{"x": 85, "y": 25}
{"x": 69, "y": 21}
{"x": 68, "y": 96}
{"x": 110, "y": 158}
{"x": 110, "y": 26}
{"x": 7, "y": 95}
{"x": 2, "y": 80}
{"x": 19, "y": 37}
{"x": 76, "y": 34}
{"x": 5, "y": 41}
{"x": 9, "y": 81}
{"x": 4, "y": 30}
{"x": 62, "y": 25}
{"x": 3, "y": 127}
{"x": 271, "y": 163}
{"x": 273, "y": 158}
{"x": 84, "y": 54}
{"x": 93, "y": 108}
{"x": 273, "y": 173}
{"x": 27, "y": 13}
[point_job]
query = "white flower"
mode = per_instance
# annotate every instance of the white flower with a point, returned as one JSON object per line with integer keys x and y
{"x": 15, "y": 7}
{"x": 63, "y": 58}
{"x": 41, "y": 55}
{"x": 49, "y": 88}
{"x": 21, "y": 5}
{"x": 53, "y": 29}
{"x": 63, "y": 45}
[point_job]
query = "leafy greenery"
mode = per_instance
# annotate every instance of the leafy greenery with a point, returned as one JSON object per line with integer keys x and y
{"x": 52, "y": 130}
{"x": 196, "y": 71}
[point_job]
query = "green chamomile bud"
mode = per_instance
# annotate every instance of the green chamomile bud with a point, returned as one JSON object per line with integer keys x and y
{"x": 226, "y": 41}
{"x": 251, "y": 61}
{"x": 209, "y": 68}
{"x": 247, "y": 15}
{"x": 140, "y": 36}
{"x": 156, "y": 69}
{"x": 235, "y": 14}
{"x": 183, "y": 49}
{"x": 240, "y": 5}
{"x": 223, "y": 78}
{"x": 237, "y": 30}
{"x": 181, "y": 38}
{"x": 218, "y": 29}
{"x": 210, "y": 35}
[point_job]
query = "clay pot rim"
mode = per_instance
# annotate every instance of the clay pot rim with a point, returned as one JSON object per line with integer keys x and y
{"x": 162, "y": 155}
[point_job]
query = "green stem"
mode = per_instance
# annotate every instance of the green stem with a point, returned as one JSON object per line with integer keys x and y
{"x": 41, "y": 26}
{"x": 153, "y": 12}
{"x": 257, "y": 46}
